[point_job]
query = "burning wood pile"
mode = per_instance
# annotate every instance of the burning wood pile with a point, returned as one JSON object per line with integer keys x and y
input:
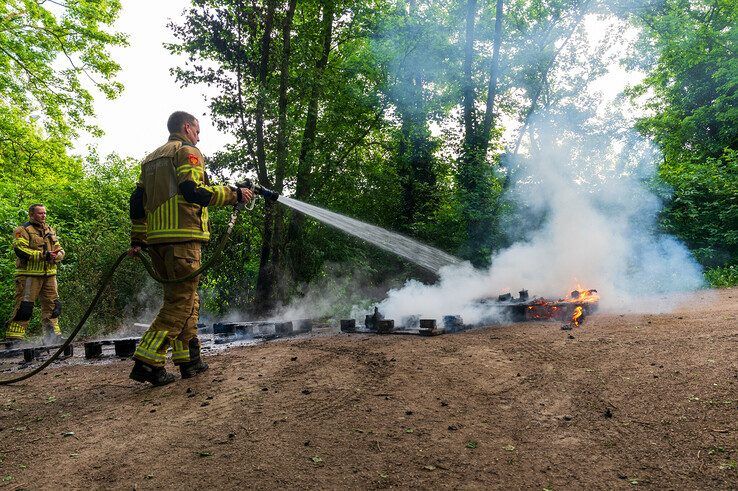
{"x": 571, "y": 310}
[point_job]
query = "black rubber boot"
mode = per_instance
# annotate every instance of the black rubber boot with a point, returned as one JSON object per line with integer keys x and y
{"x": 195, "y": 366}
{"x": 143, "y": 372}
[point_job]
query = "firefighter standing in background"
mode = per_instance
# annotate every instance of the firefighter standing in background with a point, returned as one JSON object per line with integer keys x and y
{"x": 169, "y": 217}
{"x": 37, "y": 253}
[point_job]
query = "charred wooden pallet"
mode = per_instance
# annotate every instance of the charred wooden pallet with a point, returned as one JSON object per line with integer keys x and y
{"x": 31, "y": 353}
{"x": 124, "y": 348}
{"x": 429, "y": 327}
{"x": 524, "y": 308}
{"x": 10, "y": 352}
{"x": 411, "y": 325}
{"x": 228, "y": 332}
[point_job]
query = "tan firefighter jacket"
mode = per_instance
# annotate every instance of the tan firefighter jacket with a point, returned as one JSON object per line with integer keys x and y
{"x": 31, "y": 243}
{"x": 172, "y": 195}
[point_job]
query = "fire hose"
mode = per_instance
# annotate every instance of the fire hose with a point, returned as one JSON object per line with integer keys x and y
{"x": 255, "y": 187}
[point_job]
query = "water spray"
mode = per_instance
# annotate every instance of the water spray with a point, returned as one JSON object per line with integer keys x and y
{"x": 428, "y": 257}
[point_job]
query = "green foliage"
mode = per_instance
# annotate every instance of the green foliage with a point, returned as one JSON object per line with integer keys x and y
{"x": 47, "y": 50}
{"x": 90, "y": 215}
{"x": 703, "y": 209}
{"x": 50, "y": 55}
{"x": 692, "y": 92}
{"x": 694, "y": 81}
{"x": 229, "y": 285}
{"x": 93, "y": 244}
{"x": 723, "y": 277}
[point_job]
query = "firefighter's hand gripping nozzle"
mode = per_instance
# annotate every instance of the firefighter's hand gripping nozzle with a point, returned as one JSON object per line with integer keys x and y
{"x": 257, "y": 189}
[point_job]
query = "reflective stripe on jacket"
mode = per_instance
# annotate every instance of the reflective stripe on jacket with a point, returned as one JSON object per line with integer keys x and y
{"x": 169, "y": 217}
{"x": 31, "y": 242}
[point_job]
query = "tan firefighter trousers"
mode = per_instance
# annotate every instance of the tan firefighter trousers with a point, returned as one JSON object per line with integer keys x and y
{"x": 27, "y": 290}
{"x": 176, "y": 323}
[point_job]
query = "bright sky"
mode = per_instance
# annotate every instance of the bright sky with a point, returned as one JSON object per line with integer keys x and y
{"x": 135, "y": 123}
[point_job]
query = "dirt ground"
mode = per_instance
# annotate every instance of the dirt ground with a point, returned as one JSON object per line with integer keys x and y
{"x": 631, "y": 401}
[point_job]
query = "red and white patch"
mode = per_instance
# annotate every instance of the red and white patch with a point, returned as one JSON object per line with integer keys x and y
{"x": 193, "y": 159}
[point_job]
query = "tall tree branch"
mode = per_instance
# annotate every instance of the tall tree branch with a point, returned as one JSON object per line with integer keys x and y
{"x": 544, "y": 77}
{"x": 493, "y": 77}
{"x": 468, "y": 84}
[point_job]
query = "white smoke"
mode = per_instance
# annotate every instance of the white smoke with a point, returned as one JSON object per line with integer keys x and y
{"x": 599, "y": 231}
{"x": 140, "y": 313}
{"x": 586, "y": 216}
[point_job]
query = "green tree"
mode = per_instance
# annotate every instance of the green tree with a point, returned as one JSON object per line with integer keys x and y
{"x": 50, "y": 53}
{"x": 53, "y": 56}
{"x": 691, "y": 93}
{"x": 301, "y": 97}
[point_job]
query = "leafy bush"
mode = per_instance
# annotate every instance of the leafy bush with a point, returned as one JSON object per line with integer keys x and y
{"x": 723, "y": 277}
{"x": 703, "y": 209}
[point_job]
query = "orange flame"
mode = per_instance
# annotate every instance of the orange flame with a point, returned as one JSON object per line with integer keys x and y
{"x": 581, "y": 295}
{"x": 576, "y": 315}
{"x": 571, "y": 308}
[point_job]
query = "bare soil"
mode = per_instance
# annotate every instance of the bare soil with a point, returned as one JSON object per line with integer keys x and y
{"x": 631, "y": 401}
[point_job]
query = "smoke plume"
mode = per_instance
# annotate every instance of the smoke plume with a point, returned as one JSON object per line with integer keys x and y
{"x": 599, "y": 230}
{"x": 586, "y": 200}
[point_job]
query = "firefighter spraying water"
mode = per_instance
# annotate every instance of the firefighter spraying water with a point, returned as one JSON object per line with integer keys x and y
{"x": 169, "y": 216}
{"x": 169, "y": 220}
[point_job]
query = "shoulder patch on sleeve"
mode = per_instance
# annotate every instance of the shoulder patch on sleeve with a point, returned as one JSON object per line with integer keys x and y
{"x": 193, "y": 159}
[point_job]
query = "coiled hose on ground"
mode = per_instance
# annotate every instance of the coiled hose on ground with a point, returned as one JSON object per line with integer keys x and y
{"x": 106, "y": 281}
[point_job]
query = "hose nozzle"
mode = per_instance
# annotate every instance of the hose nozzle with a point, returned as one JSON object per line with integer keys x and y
{"x": 259, "y": 189}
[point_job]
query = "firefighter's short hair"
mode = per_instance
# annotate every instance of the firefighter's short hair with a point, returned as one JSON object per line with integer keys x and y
{"x": 32, "y": 208}
{"x": 176, "y": 121}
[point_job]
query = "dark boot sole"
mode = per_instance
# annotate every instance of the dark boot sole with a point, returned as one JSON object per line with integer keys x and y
{"x": 164, "y": 382}
{"x": 139, "y": 377}
{"x": 186, "y": 375}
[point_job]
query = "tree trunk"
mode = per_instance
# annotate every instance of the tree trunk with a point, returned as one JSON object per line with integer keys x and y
{"x": 264, "y": 282}
{"x": 284, "y": 79}
{"x": 470, "y": 177}
{"x": 281, "y": 159}
{"x": 493, "y": 77}
{"x": 415, "y": 152}
{"x": 307, "y": 149}
{"x": 304, "y": 166}
{"x": 467, "y": 88}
